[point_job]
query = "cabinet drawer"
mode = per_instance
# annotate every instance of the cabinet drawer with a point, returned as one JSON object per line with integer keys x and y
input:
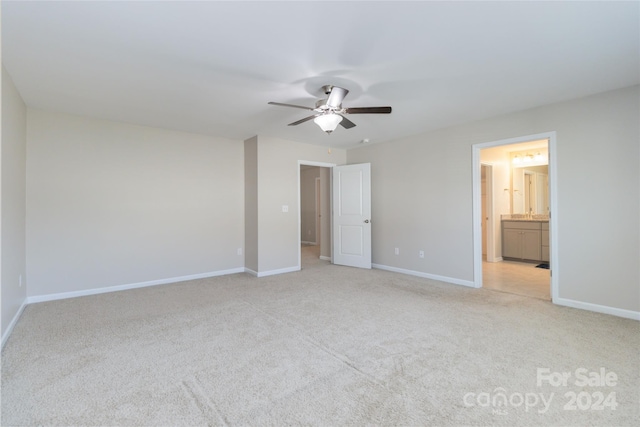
{"x": 522, "y": 225}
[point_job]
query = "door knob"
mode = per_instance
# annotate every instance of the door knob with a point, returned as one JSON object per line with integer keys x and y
{"x": 366, "y": 221}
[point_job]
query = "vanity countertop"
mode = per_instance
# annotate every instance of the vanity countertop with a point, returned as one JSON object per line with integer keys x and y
{"x": 525, "y": 218}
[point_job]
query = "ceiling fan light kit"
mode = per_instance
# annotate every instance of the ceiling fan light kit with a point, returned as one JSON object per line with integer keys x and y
{"x": 329, "y": 112}
{"x": 328, "y": 122}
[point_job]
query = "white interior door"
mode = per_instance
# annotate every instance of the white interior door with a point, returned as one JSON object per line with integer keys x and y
{"x": 352, "y": 215}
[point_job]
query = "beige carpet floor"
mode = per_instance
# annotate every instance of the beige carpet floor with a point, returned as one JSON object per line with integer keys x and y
{"x": 328, "y": 345}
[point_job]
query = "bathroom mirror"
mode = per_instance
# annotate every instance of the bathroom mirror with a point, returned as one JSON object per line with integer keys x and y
{"x": 530, "y": 190}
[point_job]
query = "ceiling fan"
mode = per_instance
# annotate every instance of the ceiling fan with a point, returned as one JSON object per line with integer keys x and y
{"x": 329, "y": 112}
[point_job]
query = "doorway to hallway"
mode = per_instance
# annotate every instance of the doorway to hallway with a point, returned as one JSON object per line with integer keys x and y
{"x": 315, "y": 214}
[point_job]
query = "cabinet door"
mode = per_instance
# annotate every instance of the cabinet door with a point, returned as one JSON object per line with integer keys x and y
{"x": 545, "y": 253}
{"x": 511, "y": 243}
{"x": 531, "y": 244}
{"x": 544, "y": 236}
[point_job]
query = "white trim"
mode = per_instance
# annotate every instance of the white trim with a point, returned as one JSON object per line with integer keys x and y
{"x": 620, "y": 312}
{"x": 476, "y": 212}
{"x": 317, "y": 186}
{"x": 13, "y": 322}
{"x": 325, "y": 258}
{"x": 468, "y": 283}
{"x": 251, "y": 272}
{"x": 96, "y": 291}
{"x": 553, "y": 218}
{"x": 309, "y": 243}
{"x": 279, "y": 271}
{"x": 491, "y": 245}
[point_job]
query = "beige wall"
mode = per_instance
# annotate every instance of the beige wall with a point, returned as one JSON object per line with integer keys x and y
{"x": 113, "y": 204}
{"x": 278, "y": 165}
{"x": 422, "y": 195}
{"x": 13, "y": 210}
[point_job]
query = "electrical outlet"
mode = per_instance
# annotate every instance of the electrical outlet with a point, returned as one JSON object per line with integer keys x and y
{"x": 239, "y": 251}
{"x": 285, "y": 208}
{"x": 397, "y": 251}
{"x": 421, "y": 254}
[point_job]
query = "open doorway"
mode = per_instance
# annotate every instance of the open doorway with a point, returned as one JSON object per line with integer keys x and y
{"x": 315, "y": 214}
{"x": 513, "y": 226}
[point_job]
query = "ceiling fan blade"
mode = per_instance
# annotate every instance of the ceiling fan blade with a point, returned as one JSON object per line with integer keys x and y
{"x": 306, "y": 119}
{"x": 346, "y": 123}
{"x": 368, "y": 110}
{"x": 290, "y": 105}
{"x": 336, "y": 96}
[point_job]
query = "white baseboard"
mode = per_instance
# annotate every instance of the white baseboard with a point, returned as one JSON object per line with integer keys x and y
{"x": 468, "y": 283}
{"x": 75, "y": 294}
{"x": 13, "y": 322}
{"x": 325, "y": 258}
{"x": 619, "y": 312}
{"x": 274, "y": 272}
{"x": 271, "y": 272}
{"x": 309, "y": 243}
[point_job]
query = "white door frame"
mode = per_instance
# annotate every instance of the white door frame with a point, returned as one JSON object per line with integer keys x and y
{"x": 309, "y": 163}
{"x": 318, "y": 202}
{"x": 553, "y": 206}
{"x": 491, "y": 246}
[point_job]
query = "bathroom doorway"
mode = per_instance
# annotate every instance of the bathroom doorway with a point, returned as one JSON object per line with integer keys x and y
{"x": 511, "y": 189}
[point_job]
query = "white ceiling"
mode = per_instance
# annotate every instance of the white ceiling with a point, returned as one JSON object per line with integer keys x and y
{"x": 211, "y": 67}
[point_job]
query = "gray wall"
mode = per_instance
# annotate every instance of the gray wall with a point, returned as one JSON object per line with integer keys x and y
{"x": 115, "y": 204}
{"x": 422, "y": 195}
{"x": 13, "y": 211}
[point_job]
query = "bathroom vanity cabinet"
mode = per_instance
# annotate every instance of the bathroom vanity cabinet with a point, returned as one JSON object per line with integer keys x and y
{"x": 544, "y": 235}
{"x": 525, "y": 240}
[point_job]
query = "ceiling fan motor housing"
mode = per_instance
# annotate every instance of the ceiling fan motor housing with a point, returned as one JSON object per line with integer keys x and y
{"x": 321, "y": 104}
{"x": 327, "y": 89}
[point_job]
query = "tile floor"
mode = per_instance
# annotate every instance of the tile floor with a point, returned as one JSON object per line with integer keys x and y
{"x": 519, "y": 278}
